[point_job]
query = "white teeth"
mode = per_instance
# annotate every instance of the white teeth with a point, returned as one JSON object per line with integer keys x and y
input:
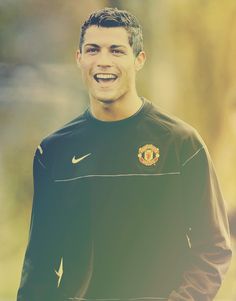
{"x": 105, "y": 76}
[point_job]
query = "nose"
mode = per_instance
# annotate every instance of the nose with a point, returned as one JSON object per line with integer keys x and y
{"x": 104, "y": 59}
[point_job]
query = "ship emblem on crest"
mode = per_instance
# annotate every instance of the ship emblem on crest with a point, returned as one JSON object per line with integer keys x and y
{"x": 148, "y": 154}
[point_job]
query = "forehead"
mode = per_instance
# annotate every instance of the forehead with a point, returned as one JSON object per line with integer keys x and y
{"x": 106, "y": 36}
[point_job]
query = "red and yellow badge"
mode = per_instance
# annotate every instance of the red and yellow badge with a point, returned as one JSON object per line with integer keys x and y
{"x": 148, "y": 154}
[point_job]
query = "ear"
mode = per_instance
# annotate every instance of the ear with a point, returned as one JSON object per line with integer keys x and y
{"x": 140, "y": 60}
{"x": 78, "y": 57}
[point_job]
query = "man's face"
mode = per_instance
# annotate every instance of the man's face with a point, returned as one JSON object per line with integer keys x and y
{"x": 108, "y": 64}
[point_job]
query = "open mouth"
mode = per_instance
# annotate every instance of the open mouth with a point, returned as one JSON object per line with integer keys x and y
{"x": 105, "y": 77}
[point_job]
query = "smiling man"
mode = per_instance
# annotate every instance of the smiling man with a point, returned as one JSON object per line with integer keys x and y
{"x": 126, "y": 203}
{"x": 109, "y": 65}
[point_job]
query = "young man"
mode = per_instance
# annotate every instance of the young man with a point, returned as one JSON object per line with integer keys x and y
{"x": 126, "y": 202}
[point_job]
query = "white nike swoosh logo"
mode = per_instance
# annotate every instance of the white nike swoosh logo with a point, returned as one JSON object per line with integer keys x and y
{"x": 77, "y": 160}
{"x": 59, "y": 273}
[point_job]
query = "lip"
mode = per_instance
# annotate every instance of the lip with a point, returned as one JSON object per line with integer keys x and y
{"x": 105, "y": 75}
{"x": 106, "y": 82}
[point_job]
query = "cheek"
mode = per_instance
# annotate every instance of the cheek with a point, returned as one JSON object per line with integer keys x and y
{"x": 129, "y": 72}
{"x": 86, "y": 67}
{"x": 86, "y": 74}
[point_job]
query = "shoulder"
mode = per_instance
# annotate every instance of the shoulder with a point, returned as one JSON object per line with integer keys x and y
{"x": 169, "y": 123}
{"x": 185, "y": 137}
{"x": 58, "y": 139}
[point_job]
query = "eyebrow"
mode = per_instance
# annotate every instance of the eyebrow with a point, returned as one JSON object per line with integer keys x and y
{"x": 97, "y": 46}
{"x": 93, "y": 45}
{"x": 118, "y": 46}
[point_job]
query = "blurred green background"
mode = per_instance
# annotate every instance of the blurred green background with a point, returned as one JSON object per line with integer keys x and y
{"x": 190, "y": 72}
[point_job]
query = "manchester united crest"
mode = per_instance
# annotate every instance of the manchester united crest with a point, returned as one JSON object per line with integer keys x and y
{"x": 148, "y": 154}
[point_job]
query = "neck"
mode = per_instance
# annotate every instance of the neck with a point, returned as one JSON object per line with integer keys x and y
{"x": 106, "y": 110}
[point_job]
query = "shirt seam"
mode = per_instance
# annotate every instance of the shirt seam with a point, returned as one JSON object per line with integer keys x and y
{"x": 192, "y": 156}
{"x": 115, "y": 175}
{"x": 41, "y": 163}
{"x": 117, "y": 299}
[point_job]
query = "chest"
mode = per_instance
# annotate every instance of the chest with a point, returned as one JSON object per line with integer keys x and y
{"x": 118, "y": 174}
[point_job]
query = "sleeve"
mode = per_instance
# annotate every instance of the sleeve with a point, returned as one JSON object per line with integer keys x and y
{"x": 208, "y": 231}
{"x": 38, "y": 279}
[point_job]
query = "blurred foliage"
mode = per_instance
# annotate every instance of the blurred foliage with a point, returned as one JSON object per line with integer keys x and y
{"x": 190, "y": 71}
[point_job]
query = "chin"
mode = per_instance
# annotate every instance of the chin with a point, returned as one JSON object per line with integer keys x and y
{"x": 106, "y": 100}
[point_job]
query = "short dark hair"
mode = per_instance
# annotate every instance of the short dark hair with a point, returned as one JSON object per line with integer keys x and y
{"x": 113, "y": 17}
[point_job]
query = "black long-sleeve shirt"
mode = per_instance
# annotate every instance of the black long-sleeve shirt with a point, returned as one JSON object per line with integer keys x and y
{"x": 127, "y": 209}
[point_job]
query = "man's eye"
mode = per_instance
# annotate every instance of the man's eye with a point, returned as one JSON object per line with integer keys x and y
{"x": 91, "y": 50}
{"x": 117, "y": 51}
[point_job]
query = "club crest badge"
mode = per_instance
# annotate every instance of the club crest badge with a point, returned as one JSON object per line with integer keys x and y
{"x": 148, "y": 154}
